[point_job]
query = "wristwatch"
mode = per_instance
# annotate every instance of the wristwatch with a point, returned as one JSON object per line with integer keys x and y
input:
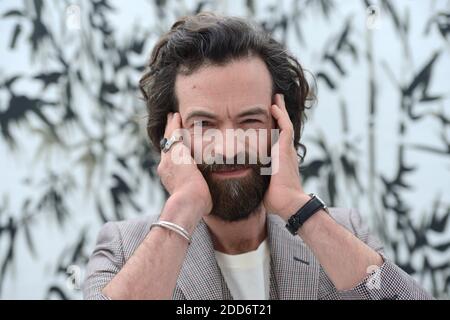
{"x": 305, "y": 212}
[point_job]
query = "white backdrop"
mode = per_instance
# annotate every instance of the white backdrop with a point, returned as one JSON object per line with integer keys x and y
{"x": 74, "y": 152}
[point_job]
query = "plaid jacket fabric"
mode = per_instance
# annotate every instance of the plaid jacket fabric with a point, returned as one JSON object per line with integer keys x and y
{"x": 295, "y": 272}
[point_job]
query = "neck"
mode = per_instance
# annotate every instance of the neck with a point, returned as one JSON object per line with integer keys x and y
{"x": 238, "y": 236}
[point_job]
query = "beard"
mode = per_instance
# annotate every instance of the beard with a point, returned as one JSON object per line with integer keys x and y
{"x": 235, "y": 198}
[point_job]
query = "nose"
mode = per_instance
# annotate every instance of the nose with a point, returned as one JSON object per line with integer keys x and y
{"x": 235, "y": 144}
{"x": 224, "y": 144}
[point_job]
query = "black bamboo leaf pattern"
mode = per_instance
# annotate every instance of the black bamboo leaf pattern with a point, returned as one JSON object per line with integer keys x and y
{"x": 75, "y": 154}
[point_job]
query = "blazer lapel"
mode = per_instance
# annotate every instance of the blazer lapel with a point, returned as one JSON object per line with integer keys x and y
{"x": 295, "y": 270}
{"x": 200, "y": 277}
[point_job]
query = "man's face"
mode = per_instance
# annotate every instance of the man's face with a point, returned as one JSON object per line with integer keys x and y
{"x": 222, "y": 100}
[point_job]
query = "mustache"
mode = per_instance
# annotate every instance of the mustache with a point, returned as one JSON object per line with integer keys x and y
{"x": 224, "y": 167}
{"x": 237, "y": 162}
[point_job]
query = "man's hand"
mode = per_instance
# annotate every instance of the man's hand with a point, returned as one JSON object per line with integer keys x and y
{"x": 182, "y": 178}
{"x": 343, "y": 256}
{"x": 285, "y": 194}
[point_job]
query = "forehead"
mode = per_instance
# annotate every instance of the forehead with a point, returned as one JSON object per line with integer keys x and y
{"x": 225, "y": 89}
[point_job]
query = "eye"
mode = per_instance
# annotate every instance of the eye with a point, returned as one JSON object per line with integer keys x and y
{"x": 249, "y": 121}
{"x": 202, "y": 123}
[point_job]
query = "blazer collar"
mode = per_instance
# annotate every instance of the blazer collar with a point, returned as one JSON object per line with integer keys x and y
{"x": 294, "y": 270}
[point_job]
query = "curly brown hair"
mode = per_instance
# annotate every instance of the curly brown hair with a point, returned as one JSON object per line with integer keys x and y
{"x": 208, "y": 38}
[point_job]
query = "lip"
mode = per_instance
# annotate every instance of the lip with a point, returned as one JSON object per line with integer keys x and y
{"x": 232, "y": 173}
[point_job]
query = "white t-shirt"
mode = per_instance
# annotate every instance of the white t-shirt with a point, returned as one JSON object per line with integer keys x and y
{"x": 247, "y": 275}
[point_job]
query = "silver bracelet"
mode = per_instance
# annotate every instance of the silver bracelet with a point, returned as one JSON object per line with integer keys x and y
{"x": 174, "y": 227}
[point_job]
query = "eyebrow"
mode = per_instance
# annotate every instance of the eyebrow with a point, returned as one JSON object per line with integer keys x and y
{"x": 200, "y": 113}
{"x": 253, "y": 111}
{"x": 249, "y": 112}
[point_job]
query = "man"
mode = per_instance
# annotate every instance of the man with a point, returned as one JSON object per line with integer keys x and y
{"x": 227, "y": 230}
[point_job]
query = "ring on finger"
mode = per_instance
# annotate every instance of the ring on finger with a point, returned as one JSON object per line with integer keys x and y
{"x": 166, "y": 144}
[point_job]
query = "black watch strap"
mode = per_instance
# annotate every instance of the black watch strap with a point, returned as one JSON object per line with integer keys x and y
{"x": 304, "y": 213}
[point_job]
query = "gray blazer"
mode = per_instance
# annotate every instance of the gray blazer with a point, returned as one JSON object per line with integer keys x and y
{"x": 295, "y": 272}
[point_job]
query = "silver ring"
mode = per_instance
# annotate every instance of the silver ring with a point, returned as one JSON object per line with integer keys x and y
{"x": 166, "y": 144}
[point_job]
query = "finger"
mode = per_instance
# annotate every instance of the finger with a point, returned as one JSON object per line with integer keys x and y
{"x": 177, "y": 120}
{"x": 171, "y": 124}
{"x": 279, "y": 101}
{"x": 177, "y": 150}
{"x": 282, "y": 118}
{"x": 178, "y": 127}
